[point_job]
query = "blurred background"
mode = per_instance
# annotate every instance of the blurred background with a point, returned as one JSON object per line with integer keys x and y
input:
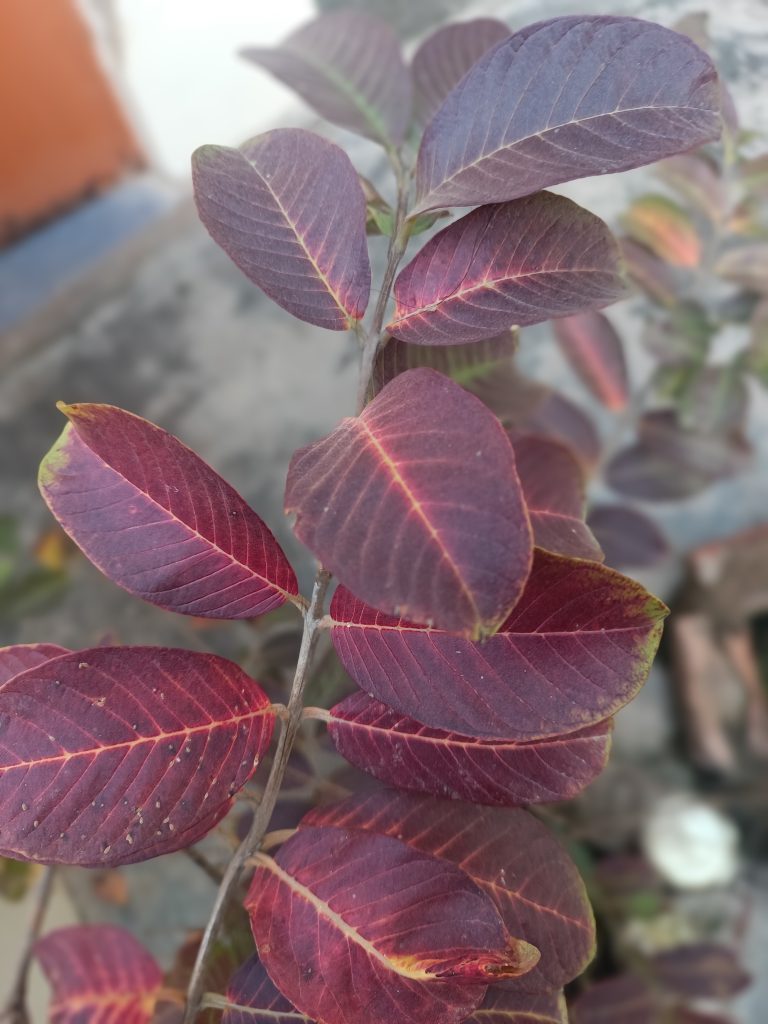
{"x": 111, "y": 291}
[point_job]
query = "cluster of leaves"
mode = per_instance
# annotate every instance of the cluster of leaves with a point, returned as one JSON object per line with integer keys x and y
{"x": 698, "y": 249}
{"x": 654, "y": 980}
{"x": 490, "y": 645}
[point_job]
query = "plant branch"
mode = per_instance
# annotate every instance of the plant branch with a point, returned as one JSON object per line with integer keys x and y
{"x": 398, "y": 242}
{"x": 15, "y": 1010}
{"x": 263, "y": 814}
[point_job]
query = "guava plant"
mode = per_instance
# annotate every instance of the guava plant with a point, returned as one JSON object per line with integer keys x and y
{"x": 489, "y": 646}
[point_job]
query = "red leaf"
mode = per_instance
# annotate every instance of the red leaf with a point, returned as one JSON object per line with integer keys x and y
{"x": 553, "y": 486}
{"x": 158, "y": 521}
{"x": 508, "y": 1006}
{"x": 354, "y": 927}
{"x": 468, "y": 282}
{"x": 703, "y": 971}
{"x": 593, "y": 348}
{"x": 533, "y": 111}
{"x": 288, "y": 209}
{"x": 118, "y": 754}
{"x": 348, "y": 67}
{"x": 446, "y": 56}
{"x": 576, "y": 648}
{"x": 625, "y": 998}
{"x": 99, "y": 974}
{"x": 19, "y": 657}
{"x": 251, "y": 989}
{"x": 415, "y": 505}
{"x": 628, "y": 537}
{"x": 510, "y": 854}
{"x": 406, "y": 754}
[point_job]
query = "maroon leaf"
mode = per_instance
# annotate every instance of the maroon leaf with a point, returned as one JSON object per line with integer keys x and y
{"x": 467, "y": 364}
{"x": 416, "y": 506}
{"x": 446, "y": 56}
{"x": 534, "y": 111}
{"x": 348, "y": 67}
{"x": 19, "y": 657}
{"x": 99, "y": 974}
{"x": 628, "y": 537}
{"x": 288, "y": 209}
{"x": 158, "y": 521}
{"x": 576, "y": 648}
{"x": 118, "y": 754}
{"x": 404, "y": 753}
{"x": 509, "y": 1006}
{"x": 668, "y": 463}
{"x": 704, "y": 971}
{"x": 510, "y": 854}
{"x": 354, "y": 927}
{"x": 553, "y": 486}
{"x": 593, "y": 348}
{"x": 469, "y": 282}
{"x": 625, "y": 998}
{"x": 250, "y": 992}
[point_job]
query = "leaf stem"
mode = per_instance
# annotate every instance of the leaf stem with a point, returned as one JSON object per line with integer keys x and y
{"x": 15, "y": 1010}
{"x": 263, "y": 814}
{"x": 398, "y": 243}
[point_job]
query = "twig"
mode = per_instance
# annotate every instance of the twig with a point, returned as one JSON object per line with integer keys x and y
{"x": 263, "y": 814}
{"x": 15, "y": 1011}
{"x": 398, "y": 243}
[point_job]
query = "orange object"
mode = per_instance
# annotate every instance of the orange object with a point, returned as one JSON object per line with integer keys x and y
{"x": 64, "y": 136}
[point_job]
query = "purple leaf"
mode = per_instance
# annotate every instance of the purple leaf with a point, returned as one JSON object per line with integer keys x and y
{"x": 288, "y": 209}
{"x": 160, "y": 522}
{"x": 625, "y": 999}
{"x": 565, "y": 99}
{"x": 593, "y": 348}
{"x": 629, "y": 538}
{"x": 348, "y": 67}
{"x": 416, "y": 506}
{"x": 255, "y": 1000}
{"x": 508, "y": 1005}
{"x": 446, "y": 56}
{"x": 553, "y": 486}
{"x": 19, "y": 657}
{"x": 513, "y": 263}
{"x": 669, "y": 463}
{"x": 408, "y": 755}
{"x": 577, "y": 647}
{"x": 507, "y": 852}
{"x": 702, "y": 971}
